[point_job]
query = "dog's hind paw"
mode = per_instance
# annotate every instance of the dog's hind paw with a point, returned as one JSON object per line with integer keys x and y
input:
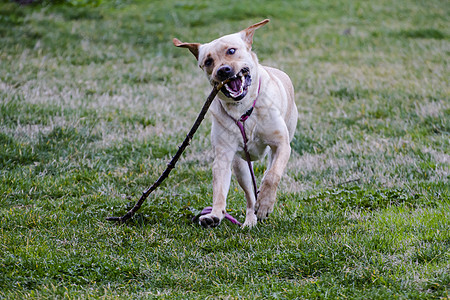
{"x": 208, "y": 221}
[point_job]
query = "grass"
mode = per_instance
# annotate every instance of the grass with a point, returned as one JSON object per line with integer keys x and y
{"x": 95, "y": 100}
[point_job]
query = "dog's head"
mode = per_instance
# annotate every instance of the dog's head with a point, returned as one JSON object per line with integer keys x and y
{"x": 229, "y": 57}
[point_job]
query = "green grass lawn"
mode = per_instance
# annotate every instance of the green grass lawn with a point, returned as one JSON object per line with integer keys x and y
{"x": 95, "y": 100}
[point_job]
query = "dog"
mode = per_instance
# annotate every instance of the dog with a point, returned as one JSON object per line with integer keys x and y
{"x": 265, "y": 96}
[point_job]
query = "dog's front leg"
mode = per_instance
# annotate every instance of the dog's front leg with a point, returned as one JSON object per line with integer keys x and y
{"x": 221, "y": 183}
{"x": 267, "y": 195}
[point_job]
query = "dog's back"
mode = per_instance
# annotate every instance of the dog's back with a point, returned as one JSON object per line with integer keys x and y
{"x": 291, "y": 113}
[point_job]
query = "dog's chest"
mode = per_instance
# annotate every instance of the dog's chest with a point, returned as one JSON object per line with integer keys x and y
{"x": 256, "y": 146}
{"x": 227, "y": 129}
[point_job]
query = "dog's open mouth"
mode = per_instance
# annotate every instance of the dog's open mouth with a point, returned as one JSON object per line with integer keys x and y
{"x": 237, "y": 86}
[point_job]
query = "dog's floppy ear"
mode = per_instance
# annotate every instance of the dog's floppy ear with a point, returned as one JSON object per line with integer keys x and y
{"x": 247, "y": 34}
{"x": 193, "y": 47}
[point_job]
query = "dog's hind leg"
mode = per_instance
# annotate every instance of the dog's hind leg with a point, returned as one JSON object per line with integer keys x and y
{"x": 242, "y": 173}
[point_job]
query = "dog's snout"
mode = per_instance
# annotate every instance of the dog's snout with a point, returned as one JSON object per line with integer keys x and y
{"x": 225, "y": 72}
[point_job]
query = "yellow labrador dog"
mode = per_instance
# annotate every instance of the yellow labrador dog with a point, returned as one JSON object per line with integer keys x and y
{"x": 257, "y": 104}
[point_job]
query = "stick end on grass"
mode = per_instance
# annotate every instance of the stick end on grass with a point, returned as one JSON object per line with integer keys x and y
{"x": 114, "y": 219}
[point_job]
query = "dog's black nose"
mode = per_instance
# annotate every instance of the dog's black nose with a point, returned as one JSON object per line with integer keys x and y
{"x": 225, "y": 72}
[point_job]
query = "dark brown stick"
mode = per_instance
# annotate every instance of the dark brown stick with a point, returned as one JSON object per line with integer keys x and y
{"x": 174, "y": 160}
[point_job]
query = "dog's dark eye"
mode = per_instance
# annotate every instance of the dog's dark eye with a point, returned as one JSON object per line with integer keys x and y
{"x": 208, "y": 62}
{"x": 231, "y": 51}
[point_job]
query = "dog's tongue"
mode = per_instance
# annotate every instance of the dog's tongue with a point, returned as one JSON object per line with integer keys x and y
{"x": 235, "y": 84}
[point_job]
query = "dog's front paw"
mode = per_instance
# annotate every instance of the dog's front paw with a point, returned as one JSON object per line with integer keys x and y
{"x": 250, "y": 220}
{"x": 209, "y": 220}
{"x": 263, "y": 209}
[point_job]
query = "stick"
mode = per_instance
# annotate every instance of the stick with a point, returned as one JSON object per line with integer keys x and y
{"x": 175, "y": 158}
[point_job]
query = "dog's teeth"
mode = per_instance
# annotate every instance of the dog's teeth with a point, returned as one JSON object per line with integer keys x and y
{"x": 241, "y": 89}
